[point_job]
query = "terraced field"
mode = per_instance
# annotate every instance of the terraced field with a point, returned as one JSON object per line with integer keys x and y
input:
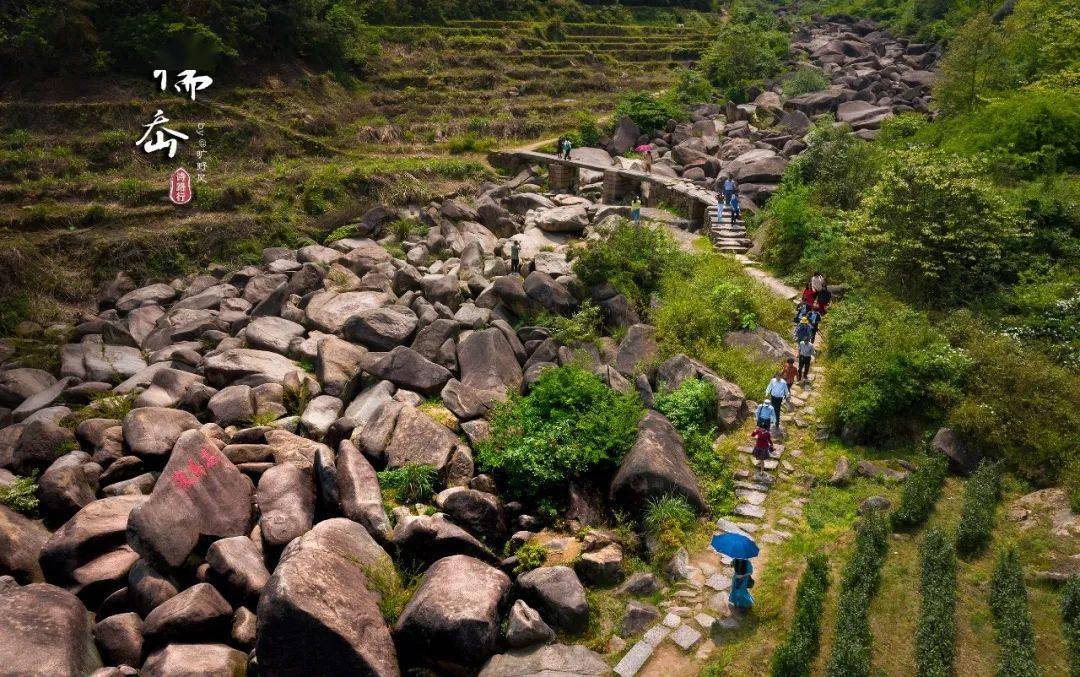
{"x": 291, "y": 152}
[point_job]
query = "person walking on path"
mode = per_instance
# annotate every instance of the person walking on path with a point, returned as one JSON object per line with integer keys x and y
{"x": 765, "y": 414}
{"x": 815, "y": 319}
{"x": 741, "y": 582}
{"x": 817, "y": 282}
{"x": 635, "y": 211}
{"x": 566, "y": 147}
{"x": 790, "y": 373}
{"x": 729, "y": 189}
{"x": 806, "y": 352}
{"x": 777, "y": 391}
{"x": 646, "y": 162}
{"x": 824, "y": 296}
{"x": 803, "y": 330}
{"x": 515, "y": 256}
{"x": 808, "y": 295}
{"x": 736, "y": 213}
{"x": 801, "y": 311}
{"x": 763, "y": 448}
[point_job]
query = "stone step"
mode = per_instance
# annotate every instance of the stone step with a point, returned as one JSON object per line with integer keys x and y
{"x": 727, "y": 249}
{"x": 748, "y": 510}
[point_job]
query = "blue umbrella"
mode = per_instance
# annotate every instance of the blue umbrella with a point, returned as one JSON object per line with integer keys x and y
{"x": 735, "y": 546}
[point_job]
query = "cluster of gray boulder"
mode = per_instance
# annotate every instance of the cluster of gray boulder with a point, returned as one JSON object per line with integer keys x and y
{"x": 872, "y": 76}
{"x": 207, "y": 457}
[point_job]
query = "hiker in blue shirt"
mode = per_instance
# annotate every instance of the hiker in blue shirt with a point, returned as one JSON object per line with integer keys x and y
{"x": 735, "y": 211}
{"x": 567, "y": 145}
{"x": 814, "y": 317}
{"x": 806, "y": 351}
{"x": 765, "y": 415}
{"x": 776, "y": 391}
{"x": 729, "y": 188}
{"x": 803, "y": 330}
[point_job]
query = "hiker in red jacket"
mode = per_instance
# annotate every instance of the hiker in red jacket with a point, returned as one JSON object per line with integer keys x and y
{"x": 762, "y": 449}
{"x": 808, "y": 295}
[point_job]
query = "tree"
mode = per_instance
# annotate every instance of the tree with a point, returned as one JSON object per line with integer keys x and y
{"x": 974, "y": 65}
{"x": 742, "y": 54}
{"x": 934, "y": 232}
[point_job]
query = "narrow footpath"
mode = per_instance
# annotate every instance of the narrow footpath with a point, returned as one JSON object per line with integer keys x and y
{"x": 695, "y": 614}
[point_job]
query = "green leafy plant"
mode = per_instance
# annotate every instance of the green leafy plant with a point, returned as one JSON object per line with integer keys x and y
{"x": 795, "y": 656}
{"x": 691, "y": 406}
{"x": 920, "y": 493}
{"x": 1070, "y": 620}
{"x": 935, "y": 639}
{"x": 852, "y": 639}
{"x": 411, "y": 483}
{"x": 21, "y": 495}
{"x": 393, "y": 593}
{"x": 976, "y": 525}
{"x": 1012, "y": 619}
{"x": 632, "y": 259}
{"x": 569, "y": 425}
{"x": 581, "y": 327}
{"x": 668, "y": 520}
{"x": 470, "y": 142}
{"x": 804, "y": 81}
{"x": 530, "y": 556}
{"x": 648, "y": 111}
{"x": 742, "y": 54}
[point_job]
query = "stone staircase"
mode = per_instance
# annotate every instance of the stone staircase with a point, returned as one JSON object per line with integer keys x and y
{"x": 726, "y": 236}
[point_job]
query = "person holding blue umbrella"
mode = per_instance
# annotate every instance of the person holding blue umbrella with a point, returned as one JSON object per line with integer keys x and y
{"x": 740, "y": 549}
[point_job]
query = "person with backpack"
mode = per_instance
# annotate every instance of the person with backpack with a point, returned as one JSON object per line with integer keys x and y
{"x": 736, "y": 212}
{"x": 567, "y": 146}
{"x": 728, "y": 187}
{"x": 801, "y": 311}
{"x": 823, "y": 297}
{"x": 803, "y": 330}
{"x": 815, "y": 319}
{"x": 777, "y": 391}
{"x": 806, "y": 352}
{"x": 765, "y": 414}
{"x": 763, "y": 448}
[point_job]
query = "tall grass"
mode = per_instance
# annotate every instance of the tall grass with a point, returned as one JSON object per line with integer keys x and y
{"x": 920, "y": 493}
{"x": 1012, "y": 619}
{"x": 981, "y": 493}
{"x": 1070, "y": 619}
{"x": 794, "y": 657}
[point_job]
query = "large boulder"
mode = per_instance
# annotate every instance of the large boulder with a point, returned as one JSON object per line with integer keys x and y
{"x": 558, "y": 595}
{"x": 399, "y": 434}
{"x": 451, "y": 623}
{"x": 152, "y": 431}
{"x": 963, "y": 457}
{"x": 637, "y": 350}
{"x": 120, "y": 639}
{"x": 245, "y": 366}
{"x": 317, "y": 608}
{"x": 201, "y": 493}
{"x": 526, "y": 628}
{"x": 200, "y": 612}
{"x": 478, "y": 511}
{"x": 195, "y": 660}
{"x": 569, "y": 219}
{"x": 45, "y": 631}
{"x": 21, "y": 540}
{"x": 763, "y": 342}
{"x": 236, "y": 566}
{"x": 552, "y": 660}
{"x": 625, "y": 136}
{"x": 731, "y": 405}
{"x": 549, "y": 293}
{"x": 98, "y": 528}
{"x": 488, "y": 364}
{"x": 381, "y": 328}
{"x": 36, "y": 445}
{"x": 337, "y": 365}
{"x": 655, "y": 466}
{"x": 329, "y": 311}
{"x": 91, "y": 361}
{"x": 406, "y": 368}
{"x": 272, "y": 333}
{"x": 359, "y": 492}
{"x": 22, "y": 383}
{"x": 427, "y": 538}
{"x": 286, "y": 497}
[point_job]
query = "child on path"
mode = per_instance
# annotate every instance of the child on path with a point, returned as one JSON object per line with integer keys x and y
{"x": 806, "y": 351}
{"x": 789, "y": 372}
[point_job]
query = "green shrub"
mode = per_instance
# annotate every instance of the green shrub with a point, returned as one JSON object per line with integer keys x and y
{"x": 691, "y": 87}
{"x": 632, "y": 259}
{"x": 569, "y": 425}
{"x": 668, "y": 520}
{"x": 583, "y": 326}
{"x": 1009, "y": 607}
{"x": 742, "y": 54}
{"x": 852, "y": 639}
{"x": 470, "y": 142}
{"x": 974, "y": 66}
{"x": 21, "y": 495}
{"x": 804, "y": 81}
{"x": 920, "y": 493}
{"x": 800, "y": 238}
{"x": 838, "y": 165}
{"x": 411, "y": 483}
{"x": 530, "y": 556}
{"x": 965, "y": 238}
{"x": 890, "y": 366}
{"x": 691, "y": 406}
{"x": 1070, "y": 619}
{"x": 981, "y": 493}
{"x": 393, "y": 593}
{"x": 935, "y": 639}
{"x": 649, "y": 111}
{"x": 796, "y": 654}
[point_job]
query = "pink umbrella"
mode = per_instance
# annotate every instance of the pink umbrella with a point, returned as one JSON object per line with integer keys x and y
{"x": 643, "y": 148}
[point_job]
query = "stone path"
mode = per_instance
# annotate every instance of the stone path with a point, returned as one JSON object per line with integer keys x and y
{"x": 727, "y": 236}
{"x": 696, "y": 613}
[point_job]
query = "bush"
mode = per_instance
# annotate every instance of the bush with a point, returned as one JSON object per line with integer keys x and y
{"x": 1009, "y": 606}
{"x": 838, "y": 165}
{"x": 568, "y": 426}
{"x": 668, "y": 520}
{"x": 891, "y": 368}
{"x": 920, "y": 493}
{"x": 1070, "y": 619}
{"x": 799, "y": 238}
{"x": 934, "y": 233}
{"x": 649, "y": 111}
{"x": 470, "y": 142}
{"x": 804, "y": 81}
{"x": 796, "y": 654}
{"x": 707, "y": 297}
{"x": 21, "y": 495}
{"x": 411, "y": 483}
{"x": 852, "y": 639}
{"x": 740, "y": 55}
{"x": 691, "y": 87}
{"x": 631, "y": 258}
{"x": 976, "y": 526}
{"x": 583, "y": 326}
{"x": 935, "y": 639}
{"x": 691, "y": 406}
{"x": 530, "y": 556}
